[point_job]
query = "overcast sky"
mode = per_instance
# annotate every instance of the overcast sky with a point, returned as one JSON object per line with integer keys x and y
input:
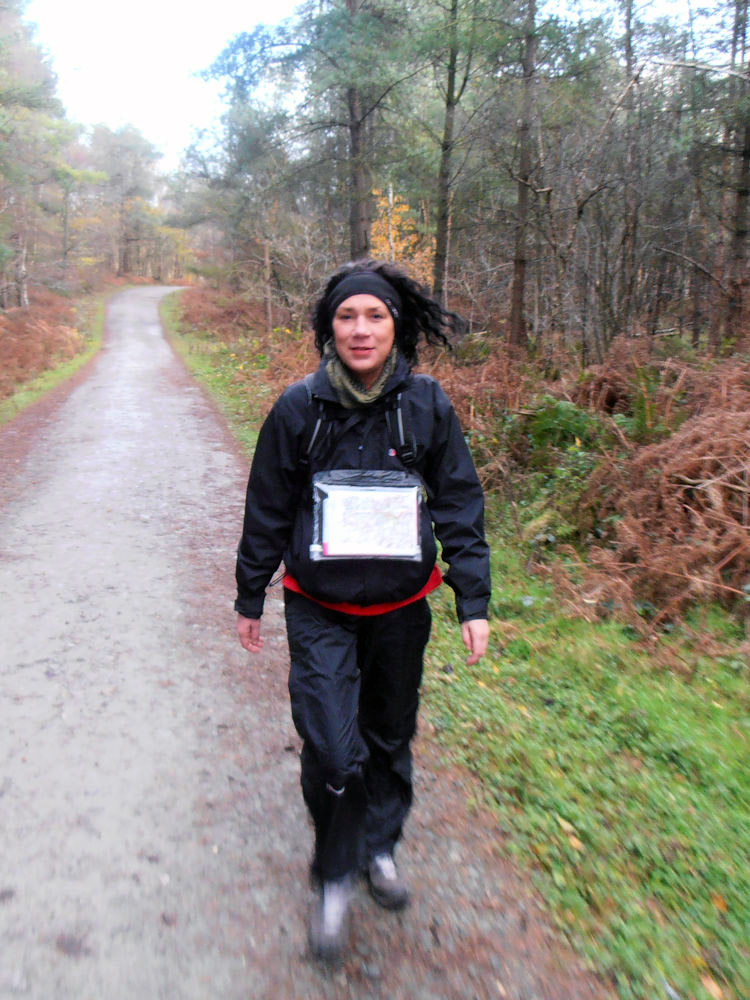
{"x": 135, "y": 63}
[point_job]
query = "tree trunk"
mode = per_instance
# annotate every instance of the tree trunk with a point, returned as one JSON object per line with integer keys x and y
{"x": 359, "y": 194}
{"x": 267, "y": 300}
{"x": 66, "y": 229}
{"x": 517, "y": 334}
{"x": 137, "y": 256}
{"x": 626, "y": 284}
{"x": 391, "y": 244}
{"x": 330, "y": 239}
{"x": 20, "y": 275}
{"x": 734, "y": 252}
{"x": 696, "y": 280}
{"x": 123, "y": 249}
{"x": 440, "y": 263}
{"x": 739, "y": 236}
{"x": 656, "y": 303}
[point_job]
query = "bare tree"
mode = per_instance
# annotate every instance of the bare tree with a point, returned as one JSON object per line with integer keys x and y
{"x": 517, "y": 331}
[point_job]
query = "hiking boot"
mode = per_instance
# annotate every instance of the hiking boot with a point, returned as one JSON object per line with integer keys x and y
{"x": 329, "y": 922}
{"x": 387, "y": 887}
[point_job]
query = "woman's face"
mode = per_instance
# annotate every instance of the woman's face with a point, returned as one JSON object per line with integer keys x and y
{"x": 363, "y": 332}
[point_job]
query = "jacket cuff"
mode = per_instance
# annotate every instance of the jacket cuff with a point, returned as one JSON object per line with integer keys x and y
{"x": 250, "y": 607}
{"x": 470, "y": 610}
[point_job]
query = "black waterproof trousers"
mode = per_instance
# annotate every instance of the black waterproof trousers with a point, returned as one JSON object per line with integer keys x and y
{"x": 354, "y": 687}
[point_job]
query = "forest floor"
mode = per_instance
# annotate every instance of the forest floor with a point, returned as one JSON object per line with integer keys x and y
{"x": 153, "y": 836}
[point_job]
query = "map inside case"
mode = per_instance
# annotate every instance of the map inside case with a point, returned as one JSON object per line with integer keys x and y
{"x": 372, "y": 514}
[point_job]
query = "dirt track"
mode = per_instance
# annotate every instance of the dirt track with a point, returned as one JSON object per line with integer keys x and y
{"x": 152, "y": 838}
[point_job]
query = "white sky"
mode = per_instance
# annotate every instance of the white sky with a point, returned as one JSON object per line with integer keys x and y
{"x": 135, "y": 63}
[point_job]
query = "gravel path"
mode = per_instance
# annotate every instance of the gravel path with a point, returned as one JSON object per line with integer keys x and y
{"x": 152, "y": 838}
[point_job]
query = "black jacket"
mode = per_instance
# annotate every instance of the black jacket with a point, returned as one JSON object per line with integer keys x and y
{"x": 278, "y": 508}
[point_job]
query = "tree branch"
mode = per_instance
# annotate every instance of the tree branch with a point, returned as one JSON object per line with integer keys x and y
{"x": 701, "y": 68}
{"x": 696, "y": 264}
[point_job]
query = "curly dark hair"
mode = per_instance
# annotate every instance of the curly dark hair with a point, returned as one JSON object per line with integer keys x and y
{"x": 419, "y": 312}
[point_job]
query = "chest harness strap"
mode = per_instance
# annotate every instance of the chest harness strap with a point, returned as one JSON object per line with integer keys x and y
{"x": 397, "y": 419}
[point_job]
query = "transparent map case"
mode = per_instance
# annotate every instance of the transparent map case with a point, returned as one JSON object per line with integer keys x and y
{"x": 366, "y": 514}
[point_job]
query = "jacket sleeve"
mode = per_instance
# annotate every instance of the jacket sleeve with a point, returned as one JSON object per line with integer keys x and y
{"x": 456, "y": 504}
{"x": 272, "y": 498}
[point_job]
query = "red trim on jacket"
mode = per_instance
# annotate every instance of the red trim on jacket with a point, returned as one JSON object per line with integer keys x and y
{"x": 434, "y": 581}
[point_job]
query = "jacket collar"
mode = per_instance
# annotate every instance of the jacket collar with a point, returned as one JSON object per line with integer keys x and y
{"x": 321, "y": 388}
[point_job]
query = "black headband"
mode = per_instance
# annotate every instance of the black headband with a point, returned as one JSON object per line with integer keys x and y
{"x": 364, "y": 283}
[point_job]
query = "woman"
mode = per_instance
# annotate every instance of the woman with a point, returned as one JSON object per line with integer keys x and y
{"x": 353, "y": 468}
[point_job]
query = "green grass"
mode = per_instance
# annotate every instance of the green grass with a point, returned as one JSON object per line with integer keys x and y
{"x": 90, "y": 321}
{"x": 218, "y": 368}
{"x": 622, "y": 788}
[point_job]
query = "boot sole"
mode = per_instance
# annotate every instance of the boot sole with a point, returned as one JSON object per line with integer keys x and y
{"x": 329, "y": 951}
{"x": 326, "y": 954}
{"x": 387, "y": 901}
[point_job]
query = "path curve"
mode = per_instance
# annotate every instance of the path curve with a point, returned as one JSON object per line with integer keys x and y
{"x": 152, "y": 838}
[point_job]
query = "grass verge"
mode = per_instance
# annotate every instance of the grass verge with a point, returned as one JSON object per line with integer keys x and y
{"x": 620, "y": 787}
{"x": 216, "y": 366}
{"x": 90, "y": 314}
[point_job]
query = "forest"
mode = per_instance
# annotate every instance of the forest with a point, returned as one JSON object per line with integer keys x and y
{"x": 561, "y": 181}
{"x": 576, "y": 187}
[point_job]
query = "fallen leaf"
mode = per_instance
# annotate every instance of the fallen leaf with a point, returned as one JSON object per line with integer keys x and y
{"x": 567, "y": 827}
{"x": 712, "y": 987}
{"x": 719, "y": 902}
{"x": 575, "y": 843}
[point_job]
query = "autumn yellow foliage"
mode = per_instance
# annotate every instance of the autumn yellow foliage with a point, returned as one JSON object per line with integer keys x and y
{"x": 396, "y": 235}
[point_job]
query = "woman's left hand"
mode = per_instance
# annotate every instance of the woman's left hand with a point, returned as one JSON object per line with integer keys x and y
{"x": 476, "y": 635}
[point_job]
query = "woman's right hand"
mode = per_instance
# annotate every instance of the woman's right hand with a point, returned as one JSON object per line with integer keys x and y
{"x": 248, "y": 629}
{"x": 476, "y": 635}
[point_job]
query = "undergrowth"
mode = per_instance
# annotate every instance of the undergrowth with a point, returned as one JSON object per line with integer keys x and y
{"x": 45, "y": 345}
{"x": 620, "y": 786}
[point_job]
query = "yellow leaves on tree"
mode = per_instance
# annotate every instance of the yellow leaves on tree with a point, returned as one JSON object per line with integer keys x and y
{"x": 396, "y": 235}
